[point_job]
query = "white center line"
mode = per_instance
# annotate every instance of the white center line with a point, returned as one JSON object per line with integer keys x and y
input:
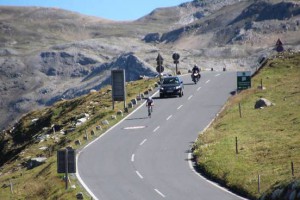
{"x": 198, "y": 88}
{"x": 161, "y": 194}
{"x": 169, "y": 117}
{"x": 179, "y": 107}
{"x": 132, "y": 158}
{"x": 218, "y": 74}
{"x": 190, "y": 97}
{"x": 138, "y": 173}
{"x": 143, "y": 142}
{"x": 207, "y": 81}
{"x": 156, "y": 129}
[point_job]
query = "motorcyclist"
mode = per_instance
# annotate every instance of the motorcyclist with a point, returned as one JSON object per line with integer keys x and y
{"x": 196, "y": 70}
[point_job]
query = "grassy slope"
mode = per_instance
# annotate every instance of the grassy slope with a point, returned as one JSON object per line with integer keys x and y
{"x": 268, "y": 139}
{"x": 43, "y": 182}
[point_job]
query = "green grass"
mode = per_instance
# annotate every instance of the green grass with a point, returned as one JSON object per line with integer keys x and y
{"x": 17, "y": 147}
{"x": 268, "y": 139}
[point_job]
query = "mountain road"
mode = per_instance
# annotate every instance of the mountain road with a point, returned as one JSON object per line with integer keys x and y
{"x": 144, "y": 158}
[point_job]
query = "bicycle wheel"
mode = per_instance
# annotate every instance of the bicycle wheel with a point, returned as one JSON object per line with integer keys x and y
{"x": 149, "y": 111}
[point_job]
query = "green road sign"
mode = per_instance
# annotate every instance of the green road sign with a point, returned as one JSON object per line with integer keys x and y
{"x": 243, "y": 80}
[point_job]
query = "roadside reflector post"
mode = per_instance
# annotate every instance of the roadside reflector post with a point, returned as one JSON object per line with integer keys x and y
{"x": 240, "y": 110}
{"x": 236, "y": 145}
{"x": 258, "y": 183}
{"x": 292, "y": 166}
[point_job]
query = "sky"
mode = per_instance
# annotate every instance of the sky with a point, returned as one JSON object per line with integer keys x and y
{"x": 119, "y": 10}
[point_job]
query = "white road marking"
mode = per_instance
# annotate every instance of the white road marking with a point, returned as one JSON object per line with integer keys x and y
{"x": 218, "y": 74}
{"x": 207, "y": 81}
{"x": 138, "y": 173}
{"x": 156, "y": 129}
{"x": 190, "y": 97}
{"x": 132, "y": 158}
{"x": 169, "y": 117}
{"x": 143, "y": 142}
{"x": 134, "y": 127}
{"x": 161, "y": 194}
{"x": 179, "y": 107}
{"x": 198, "y": 88}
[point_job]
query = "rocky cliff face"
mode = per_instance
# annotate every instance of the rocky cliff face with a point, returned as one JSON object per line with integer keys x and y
{"x": 48, "y": 54}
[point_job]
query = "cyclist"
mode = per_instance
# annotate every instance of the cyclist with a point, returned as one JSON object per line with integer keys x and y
{"x": 149, "y": 104}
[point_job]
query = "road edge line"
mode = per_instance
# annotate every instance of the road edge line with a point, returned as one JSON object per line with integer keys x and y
{"x": 102, "y": 135}
{"x": 198, "y": 174}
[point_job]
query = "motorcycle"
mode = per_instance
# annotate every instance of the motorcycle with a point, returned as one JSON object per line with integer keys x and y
{"x": 196, "y": 77}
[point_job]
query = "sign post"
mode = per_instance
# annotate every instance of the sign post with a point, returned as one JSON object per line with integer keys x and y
{"x": 159, "y": 67}
{"x": 243, "y": 80}
{"x": 118, "y": 86}
{"x": 176, "y": 57}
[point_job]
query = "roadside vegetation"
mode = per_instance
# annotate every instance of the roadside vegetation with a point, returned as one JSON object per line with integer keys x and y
{"x": 42, "y": 132}
{"x": 241, "y": 148}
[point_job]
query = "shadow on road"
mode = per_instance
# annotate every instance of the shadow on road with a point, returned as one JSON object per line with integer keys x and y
{"x": 190, "y": 83}
{"x": 233, "y": 93}
{"x": 137, "y": 118}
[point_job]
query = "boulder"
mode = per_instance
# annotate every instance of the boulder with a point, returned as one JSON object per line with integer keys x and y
{"x": 126, "y": 110}
{"x": 92, "y": 132}
{"x": 34, "y": 162}
{"x": 79, "y": 196}
{"x": 130, "y": 105}
{"x": 120, "y": 112}
{"x": 134, "y": 101}
{"x": 277, "y": 193}
{"x": 77, "y": 142}
{"x": 146, "y": 92}
{"x": 262, "y": 102}
{"x": 86, "y": 137}
{"x": 138, "y": 97}
{"x": 105, "y": 122}
{"x": 293, "y": 195}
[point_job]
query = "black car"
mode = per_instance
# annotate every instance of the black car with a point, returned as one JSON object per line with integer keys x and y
{"x": 171, "y": 86}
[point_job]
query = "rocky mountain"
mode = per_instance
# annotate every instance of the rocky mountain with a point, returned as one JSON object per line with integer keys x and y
{"x": 49, "y": 54}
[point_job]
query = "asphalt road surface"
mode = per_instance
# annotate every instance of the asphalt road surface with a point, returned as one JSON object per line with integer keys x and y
{"x": 145, "y": 158}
